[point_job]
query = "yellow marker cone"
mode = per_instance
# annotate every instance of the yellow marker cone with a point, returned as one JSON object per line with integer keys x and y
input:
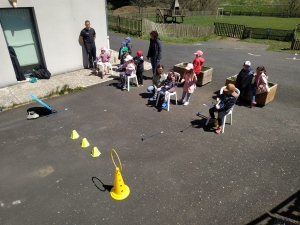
{"x": 85, "y": 143}
{"x": 74, "y": 134}
{"x": 216, "y": 123}
{"x": 120, "y": 190}
{"x": 95, "y": 152}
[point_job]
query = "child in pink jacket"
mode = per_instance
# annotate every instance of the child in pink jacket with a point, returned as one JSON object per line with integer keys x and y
{"x": 189, "y": 79}
{"x": 130, "y": 69}
{"x": 103, "y": 60}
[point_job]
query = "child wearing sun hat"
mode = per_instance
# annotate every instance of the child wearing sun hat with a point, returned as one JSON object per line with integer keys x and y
{"x": 189, "y": 79}
{"x": 198, "y": 62}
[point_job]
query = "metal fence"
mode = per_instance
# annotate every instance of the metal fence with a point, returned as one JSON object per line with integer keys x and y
{"x": 242, "y": 31}
{"x": 230, "y": 30}
{"x": 268, "y": 33}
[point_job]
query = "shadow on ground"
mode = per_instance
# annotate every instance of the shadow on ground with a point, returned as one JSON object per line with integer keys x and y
{"x": 286, "y": 213}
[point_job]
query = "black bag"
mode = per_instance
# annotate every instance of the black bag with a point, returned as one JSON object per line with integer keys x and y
{"x": 41, "y": 74}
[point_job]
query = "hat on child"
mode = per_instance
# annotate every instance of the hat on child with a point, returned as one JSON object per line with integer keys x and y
{"x": 139, "y": 53}
{"x": 247, "y": 63}
{"x": 123, "y": 43}
{"x": 189, "y": 66}
{"x": 129, "y": 57}
{"x": 229, "y": 87}
{"x": 199, "y": 52}
{"x": 103, "y": 49}
{"x": 128, "y": 39}
{"x": 125, "y": 49}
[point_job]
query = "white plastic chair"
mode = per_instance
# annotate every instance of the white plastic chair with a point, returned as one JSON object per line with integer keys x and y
{"x": 108, "y": 64}
{"x": 133, "y": 75}
{"x": 229, "y": 113}
{"x": 170, "y": 94}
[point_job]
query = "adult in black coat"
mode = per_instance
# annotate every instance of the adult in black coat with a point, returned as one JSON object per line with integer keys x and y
{"x": 154, "y": 52}
{"x": 14, "y": 59}
{"x": 244, "y": 78}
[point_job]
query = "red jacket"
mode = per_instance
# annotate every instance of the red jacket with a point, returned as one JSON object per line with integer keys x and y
{"x": 198, "y": 62}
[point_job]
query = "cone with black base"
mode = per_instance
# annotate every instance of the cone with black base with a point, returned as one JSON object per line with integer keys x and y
{"x": 120, "y": 190}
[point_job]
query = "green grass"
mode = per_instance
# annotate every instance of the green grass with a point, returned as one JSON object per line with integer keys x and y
{"x": 184, "y": 40}
{"x": 250, "y": 21}
{"x": 249, "y": 8}
{"x": 279, "y": 46}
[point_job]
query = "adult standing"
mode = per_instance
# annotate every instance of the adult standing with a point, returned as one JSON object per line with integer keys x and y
{"x": 87, "y": 37}
{"x": 154, "y": 52}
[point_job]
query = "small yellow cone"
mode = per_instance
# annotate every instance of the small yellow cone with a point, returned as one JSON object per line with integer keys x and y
{"x": 85, "y": 143}
{"x": 74, "y": 134}
{"x": 120, "y": 190}
{"x": 95, "y": 152}
{"x": 216, "y": 123}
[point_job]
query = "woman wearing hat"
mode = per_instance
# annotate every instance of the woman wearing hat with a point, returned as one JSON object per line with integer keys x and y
{"x": 227, "y": 101}
{"x": 189, "y": 79}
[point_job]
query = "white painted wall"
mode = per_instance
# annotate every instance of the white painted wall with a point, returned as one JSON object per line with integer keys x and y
{"x": 59, "y": 23}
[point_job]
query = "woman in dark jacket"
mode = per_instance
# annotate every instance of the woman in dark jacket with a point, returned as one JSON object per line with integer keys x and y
{"x": 227, "y": 101}
{"x": 154, "y": 52}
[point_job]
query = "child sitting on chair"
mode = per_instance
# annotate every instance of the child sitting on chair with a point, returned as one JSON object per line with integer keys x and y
{"x": 225, "y": 102}
{"x": 167, "y": 88}
{"x": 103, "y": 60}
{"x": 129, "y": 67}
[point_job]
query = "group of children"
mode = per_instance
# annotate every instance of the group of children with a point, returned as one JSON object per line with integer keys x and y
{"x": 129, "y": 65}
{"x": 165, "y": 84}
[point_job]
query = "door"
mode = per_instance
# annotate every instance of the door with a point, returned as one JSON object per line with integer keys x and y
{"x": 19, "y": 32}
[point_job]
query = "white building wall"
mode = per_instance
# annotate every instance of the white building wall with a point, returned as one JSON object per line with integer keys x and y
{"x": 59, "y": 23}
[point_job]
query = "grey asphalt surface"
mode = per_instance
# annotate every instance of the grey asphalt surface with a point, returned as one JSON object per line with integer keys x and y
{"x": 189, "y": 177}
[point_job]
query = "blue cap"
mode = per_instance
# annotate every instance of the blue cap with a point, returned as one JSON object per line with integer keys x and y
{"x": 128, "y": 39}
{"x": 123, "y": 43}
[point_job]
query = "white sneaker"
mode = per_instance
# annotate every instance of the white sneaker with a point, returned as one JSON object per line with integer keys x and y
{"x": 186, "y": 103}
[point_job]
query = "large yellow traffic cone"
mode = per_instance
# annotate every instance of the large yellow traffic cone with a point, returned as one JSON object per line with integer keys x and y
{"x": 95, "y": 152}
{"x": 120, "y": 190}
{"x": 74, "y": 134}
{"x": 85, "y": 143}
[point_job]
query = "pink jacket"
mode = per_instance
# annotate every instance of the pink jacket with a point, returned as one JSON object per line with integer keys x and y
{"x": 130, "y": 67}
{"x": 104, "y": 57}
{"x": 189, "y": 83}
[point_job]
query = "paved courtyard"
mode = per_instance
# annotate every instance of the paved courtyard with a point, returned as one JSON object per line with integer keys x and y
{"x": 187, "y": 175}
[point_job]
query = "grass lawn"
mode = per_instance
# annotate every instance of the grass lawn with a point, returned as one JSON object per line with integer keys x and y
{"x": 250, "y": 21}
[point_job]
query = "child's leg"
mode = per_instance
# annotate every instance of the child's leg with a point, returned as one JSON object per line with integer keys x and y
{"x": 188, "y": 97}
{"x": 183, "y": 96}
{"x": 155, "y": 95}
{"x": 167, "y": 95}
{"x": 139, "y": 77}
{"x": 221, "y": 116}
{"x": 211, "y": 112}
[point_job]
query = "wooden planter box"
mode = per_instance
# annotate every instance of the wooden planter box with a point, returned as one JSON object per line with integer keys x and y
{"x": 204, "y": 77}
{"x": 261, "y": 99}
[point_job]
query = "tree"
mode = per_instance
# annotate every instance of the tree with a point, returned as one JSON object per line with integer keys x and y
{"x": 289, "y": 6}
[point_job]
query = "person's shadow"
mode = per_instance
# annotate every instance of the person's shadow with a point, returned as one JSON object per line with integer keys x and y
{"x": 85, "y": 60}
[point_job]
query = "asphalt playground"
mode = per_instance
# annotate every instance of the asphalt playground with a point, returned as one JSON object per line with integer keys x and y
{"x": 186, "y": 175}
